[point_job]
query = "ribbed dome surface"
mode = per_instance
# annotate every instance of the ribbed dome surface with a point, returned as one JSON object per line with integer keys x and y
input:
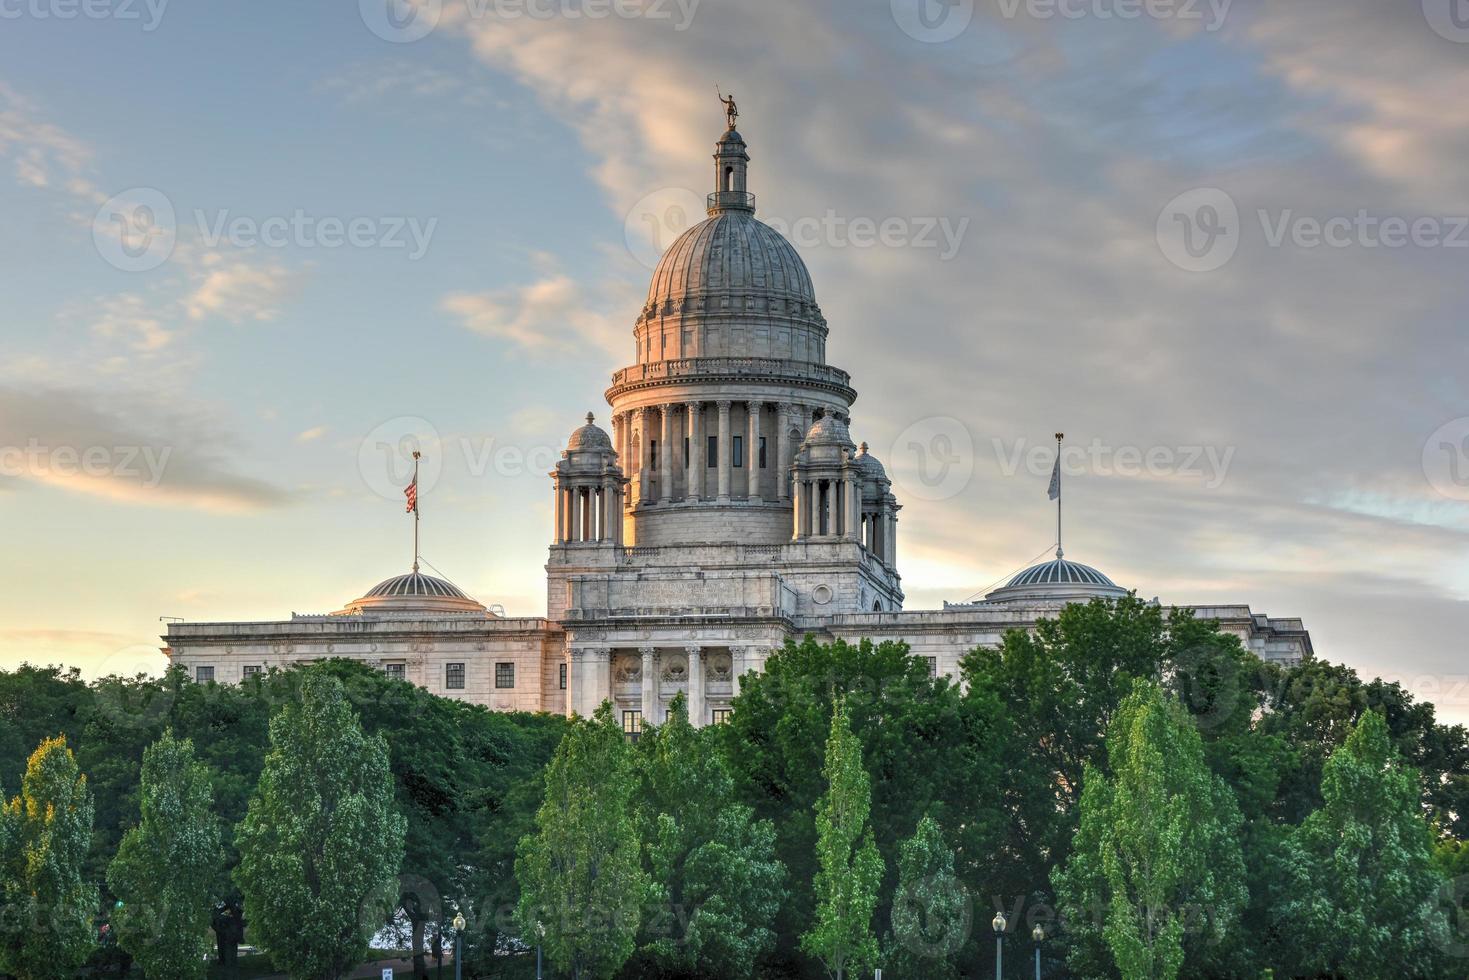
{"x": 413, "y": 594}
{"x": 730, "y": 252}
{"x": 414, "y": 584}
{"x": 1061, "y": 572}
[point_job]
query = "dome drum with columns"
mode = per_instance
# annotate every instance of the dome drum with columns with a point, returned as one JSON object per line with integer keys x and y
{"x": 723, "y": 511}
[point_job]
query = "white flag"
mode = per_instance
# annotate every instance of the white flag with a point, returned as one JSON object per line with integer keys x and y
{"x": 1055, "y": 490}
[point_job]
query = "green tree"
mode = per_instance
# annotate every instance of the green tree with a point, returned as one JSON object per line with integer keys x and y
{"x": 1156, "y": 871}
{"x": 932, "y": 911}
{"x": 46, "y": 903}
{"x": 929, "y": 747}
{"x": 849, "y": 867}
{"x": 1365, "y": 897}
{"x": 167, "y": 865}
{"x": 716, "y": 882}
{"x": 321, "y": 841}
{"x": 580, "y": 873}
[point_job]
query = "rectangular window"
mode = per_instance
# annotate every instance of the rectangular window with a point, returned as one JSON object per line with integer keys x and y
{"x": 632, "y": 724}
{"x": 561, "y": 679}
{"x": 653, "y": 448}
{"x": 711, "y": 458}
{"x": 504, "y": 675}
{"x": 721, "y": 715}
{"x": 762, "y": 452}
{"x": 454, "y": 677}
{"x": 204, "y": 675}
{"x": 250, "y": 670}
{"x": 686, "y": 453}
{"x": 933, "y": 666}
{"x": 739, "y": 452}
{"x": 396, "y": 672}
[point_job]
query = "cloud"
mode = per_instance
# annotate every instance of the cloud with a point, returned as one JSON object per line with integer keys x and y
{"x": 123, "y": 448}
{"x": 238, "y": 291}
{"x": 43, "y": 152}
{"x": 550, "y": 315}
{"x": 311, "y": 434}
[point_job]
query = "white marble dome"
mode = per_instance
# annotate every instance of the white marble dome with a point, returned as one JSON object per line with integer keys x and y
{"x": 728, "y": 253}
{"x": 1058, "y": 579}
{"x": 414, "y": 592}
{"x": 589, "y": 438}
{"x": 731, "y": 286}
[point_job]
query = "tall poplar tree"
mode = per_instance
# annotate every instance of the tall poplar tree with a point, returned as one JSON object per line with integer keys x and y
{"x": 1364, "y": 898}
{"x": 716, "y": 881}
{"x": 46, "y": 904}
{"x": 1156, "y": 871}
{"x": 931, "y": 911}
{"x": 849, "y": 867}
{"x": 582, "y": 883}
{"x": 321, "y": 842}
{"x": 166, "y": 866}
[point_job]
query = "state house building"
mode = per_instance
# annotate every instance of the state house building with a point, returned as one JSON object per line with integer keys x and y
{"x": 724, "y": 510}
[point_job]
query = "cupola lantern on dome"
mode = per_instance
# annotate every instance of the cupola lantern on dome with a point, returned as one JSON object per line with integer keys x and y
{"x": 731, "y": 163}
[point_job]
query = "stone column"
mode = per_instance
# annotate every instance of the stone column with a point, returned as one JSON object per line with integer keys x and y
{"x": 604, "y": 501}
{"x": 854, "y": 509}
{"x": 737, "y": 667}
{"x": 892, "y": 556}
{"x": 650, "y": 685}
{"x": 665, "y": 452}
{"x": 645, "y": 456}
{"x": 695, "y": 477}
{"x": 617, "y": 524}
{"x": 813, "y": 508}
{"x": 696, "y": 687}
{"x": 556, "y": 506}
{"x": 782, "y": 449}
{"x": 797, "y": 504}
{"x": 752, "y": 453}
{"x": 726, "y": 448}
{"x": 588, "y": 514}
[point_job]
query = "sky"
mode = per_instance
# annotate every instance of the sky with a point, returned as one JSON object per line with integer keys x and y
{"x": 251, "y": 248}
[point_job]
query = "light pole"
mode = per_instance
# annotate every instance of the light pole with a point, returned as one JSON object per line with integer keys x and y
{"x": 1039, "y": 935}
{"x": 540, "y": 938}
{"x": 998, "y": 924}
{"x": 459, "y": 924}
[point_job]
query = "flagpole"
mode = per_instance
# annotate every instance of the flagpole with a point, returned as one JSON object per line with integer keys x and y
{"x": 415, "y": 511}
{"x": 1059, "y": 552}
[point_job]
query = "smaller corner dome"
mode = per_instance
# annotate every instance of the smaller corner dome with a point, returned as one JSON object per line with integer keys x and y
{"x": 415, "y": 593}
{"x": 870, "y": 466}
{"x": 589, "y": 438}
{"x": 829, "y": 430}
{"x": 1058, "y": 579}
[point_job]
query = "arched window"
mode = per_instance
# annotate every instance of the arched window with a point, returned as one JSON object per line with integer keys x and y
{"x": 729, "y": 178}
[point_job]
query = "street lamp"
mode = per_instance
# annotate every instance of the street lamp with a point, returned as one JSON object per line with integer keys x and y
{"x": 540, "y": 938}
{"x": 1039, "y": 935}
{"x": 459, "y": 925}
{"x": 998, "y": 924}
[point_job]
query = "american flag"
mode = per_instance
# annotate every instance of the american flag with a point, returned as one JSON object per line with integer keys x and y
{"x": 411, "y": 492}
